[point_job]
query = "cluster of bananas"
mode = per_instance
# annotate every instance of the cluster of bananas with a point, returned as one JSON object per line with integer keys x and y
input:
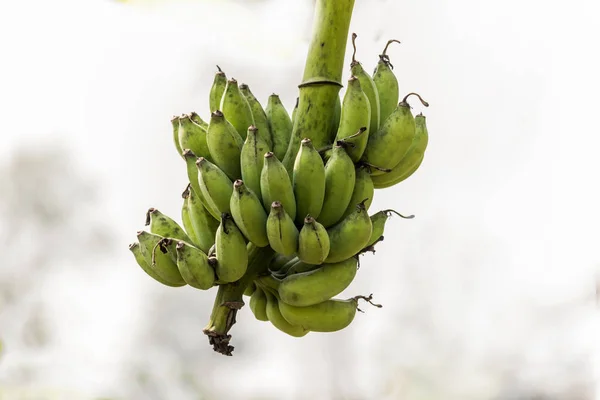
{"x": 313, "y": 215}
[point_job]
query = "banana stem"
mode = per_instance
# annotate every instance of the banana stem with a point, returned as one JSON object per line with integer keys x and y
{"x": 229, "y": 300}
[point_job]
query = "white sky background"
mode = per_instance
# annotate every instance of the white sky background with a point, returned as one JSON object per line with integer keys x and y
{"x": 494, "y": 268}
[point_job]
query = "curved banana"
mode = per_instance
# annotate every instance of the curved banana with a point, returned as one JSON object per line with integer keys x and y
{"x": 350, "y": 235}
{"x": 215, "y": 185}
{"x": 300, "y": 267}
{"x": 231, "y": 251}
{"x": 339, "y": 185}
{"x": 236, "y": 108}
{"x": 249, "y": 215}
{"x": 175, "y": 125}
{"x": 258, "y": 304}
{"x": 154, "y": 251}
{"x": 249, "y": 291}
{"x": 202, "y": 222}
{"x": 335, "y": 119}
{"x": 163, "y": 225}
{"x": 368, "y": 86}
{"x": 260, "y": 117}
{"x": 281, "y": 231}
{"x": 198, "y": 120}
{"x": 314, "y": 287}
{"x": 277, "y": 319}
{"x": 313, "y": 242}
{"x": 194, "y": 267}
{"x": 225, "y": 145}
{"x": 328, "y": 316}
{"x": 185, "y": 217}
{"x": 192, "y": 136}
{"x": 281, "y": 125}
{"x": 281, "y": 264}
{"x": 252, "y": 159}
{"x": 139, "y": 258}
{"x": 308, "y": 181}
{"x": 217, "y": 90}
{"x": 193, "y": 176}
{"x": 356, "y": 113}
{"x": 378, "y": 221}
{"x": 386, "y": 83}
{"x": 295, "y": 110}
{"x": 275, "y": 185}
{"x": 363, "y": 189}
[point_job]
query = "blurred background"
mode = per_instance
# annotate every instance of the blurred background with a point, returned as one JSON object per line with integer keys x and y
{"x": 489, "y": 293}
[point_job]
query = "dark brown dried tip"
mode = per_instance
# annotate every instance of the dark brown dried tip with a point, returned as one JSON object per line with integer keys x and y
{"x": 368, "y": 300}
{"x": 306, "y": 142}
{"x": 243, "y": 86}
{"x": 134, "y": 244}
{"x": 354, "y": 62}
{"x": 269, "y": 154}
{"x": 297, "y": 102}
{"x": 219, "y": 70}
{"x": 390, "y": 211}
{"x": 232, "y": 81}
{"x": 404, "y": 102}
{"x": 220, "y": 343}
{"x": 179, "y": 245}
{"x": 151, "y": 210}
{"x": 212, "y": 261}
{"x": 186, "y": 192}
{"x": 309, "y": 219}
{"x": 200, "y": 160}
{"x": 216, "y": 114}
{"x": 188, "y": 153}
{"x": 252, "y": 128}
{"x": 276, "y": 205}
{"x": 238, "y": 183}
{"x": 139, "y": 233}
{"x": 361, "y": 206}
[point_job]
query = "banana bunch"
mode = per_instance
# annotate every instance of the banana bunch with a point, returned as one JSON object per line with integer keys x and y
{"x": 313, "y": 216}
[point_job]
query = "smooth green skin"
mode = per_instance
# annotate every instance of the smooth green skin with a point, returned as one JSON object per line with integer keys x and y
{"x": 193, "y": 176}
{"x": 389, "y": 144}
{"x": 163, "y": 225}
{"x": 300, "y": 267}
{"x": 215, "y": 185}
{"x": 250, "y": 289}
{"x": 281, "y": 231}
{"x": 139, "y": 258}
{"x": 231, "y": 252}
{"x": 260, "y": 117}
{"x": 339, "y": 185}
{"x": 187, "y": 222}
{"x": 328, "y": 316}
{"x": 277, "y": 319}
{"x": 314, "y": 287}
{"x": 192, "y": 136}
{"x": 281, "y": 264}
{"x": 164, "y": 265}
{"x": 225, "y": 145}
{"x": 217, "y": 90}
{"x": 194, "y": 267}
{"x": 308, "y": 181}
{"x": 175, "y": 125}
{"x": 269, "y": 282}
{"x": 356, "y": 113}
{"x": 236, "y": 109}
{"x": 203, "y": 223}
{"x": 295, "y": 110}
{"x": 411, "y": 161}
{"x": 378, "y": 221}
{"x": 198, "y": 120}
{"x": 363, "y": 189}
{"x": 313, "y": 243}
{"x": 369, "y": 88}
{"x": 280, "y": 124}
{"x": 387, "y": 89}
{"x": 249, "y": 215}
{"x": 349, "y": 236}
{"x": 258, "y": 304}
{"x": 276, "y": 185}
{"x": 335, "y": 119}
{"x": 252, "y": 160}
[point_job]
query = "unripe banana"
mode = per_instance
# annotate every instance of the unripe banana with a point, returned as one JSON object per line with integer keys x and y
{"x": 335, "y": 119}
{"x": 139, "y": 257}
{"x": 356, "y": 113}
{"x": 378, "y": 221}
{"x": 163, "y": 225}
{"x": 252, "y": 160}
{"x": 155, "y": 253}
{"x": 350, "y": 235}
{"x": 225, "y": 145}
{"x": 236, "y": 108}
{"x": 277, "y": 319}
{"x": 328, "y": 316}
{"x": 275, "y": 185}
{"x": 388, "y": 146}
{"x": 203, "y": 223}
{"x": 194, "y": 266}
{"x": 368, "y": 86}
{"x": 198, "y": 120}
{"x": 258, "y": 304}
{"x": 339, "y": 185}
{"x": 313, "y": 242}
{"x": 300, "y": 267}
{"x": 281, "y": 125}
{"x": 249, "y": 215}
{"x": 231, "y": 251}
{"x": 185, "y": 217}
{"x": 192, "y": 136}
{"x": 411, "y": 161}
{"x": 314, "y": 287}
{"x": 217, "y": 90}
{"x": 308, "y": 179}
{"x": 295, "y": 110}
{"x": 175, "y": 125}
{"x": 215, "y": 186}
{"x": 260, "y": 117}
{"x": 281, "y": 264}
{"x": 250, "y": 289}
{"x": 386, "y": 83}
{"x": 193, "y": 176}
{"x": 363, "y": 189}
{"x": 281, "y": 231}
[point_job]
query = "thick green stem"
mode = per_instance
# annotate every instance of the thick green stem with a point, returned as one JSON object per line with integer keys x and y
{"x": 229, "y": 300}
{"x": 322, "y": 76}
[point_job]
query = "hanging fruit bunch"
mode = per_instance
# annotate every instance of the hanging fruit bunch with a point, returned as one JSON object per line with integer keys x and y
{"x": 277, "y": 207}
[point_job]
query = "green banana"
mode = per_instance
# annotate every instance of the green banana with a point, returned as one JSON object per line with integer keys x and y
{"x": 281, "y": 231}
{"x": 388, "y": 146}
{"x": 386, "y": 83}
{"x": 295, "y": 110}
{"x": 139, "y": 257}
{"x": 335, "y": 119}
{"x": 249, "y": 291}
{"x": 339, "y": 185}
{"x": 236, "y": 109}
{"x": 313, "y": 242}
{"x": 277, "y": 319}
{"x": 411, "y": 161}
{"x": 154, "y": 251}
{"x": 314, "y": 287}
{"x": 225, "y": 145}
{"x": 193, "y": 176}
{"x": 281, "y": 264}
{"x": 215, "y": 185}
{"x": 275, "y": 185}
{"x": 328, "y": 316}
{"x": 281, "y": 125}
{"x": 368, "y": 87}
{"x": 350, "y": 235}
{"x": 258, "y": 304}
{"x": 356, "y": 113}
{"x": 217, "y": 90}
{"x": 231, "y": 251}
{"x": 192, "y": 136}
{"x": 260, "y": 117}
{"x": 203, "y": 224}
{"x": 175, "y": 125}
{"x": 252, "y": 160}
{"x": 185, "y": 217}
{"x": 163, "y": 225}
{"x": 363, "y": 189}
{"x": 198, "y": 120}
{"x": 194, "y": 266}
{"x": 249, "y": 215}
{"x": 301, "y": 267}
{"x": 308, "y": 181}
{"x": 378, "y": 221}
